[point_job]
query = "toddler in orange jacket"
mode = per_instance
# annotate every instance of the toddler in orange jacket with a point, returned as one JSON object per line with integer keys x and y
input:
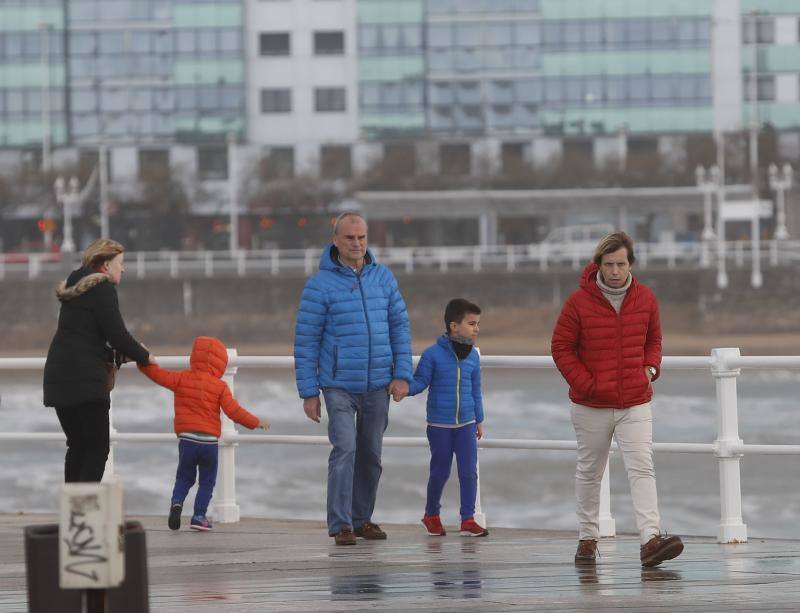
{"x": 199, "y": 394}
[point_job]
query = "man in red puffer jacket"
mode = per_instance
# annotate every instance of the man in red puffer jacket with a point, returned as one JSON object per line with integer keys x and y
{"x": 607, "y": 345}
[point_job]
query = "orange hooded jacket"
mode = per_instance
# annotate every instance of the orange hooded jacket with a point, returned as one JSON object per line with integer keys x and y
{"x": 200, "y": 392}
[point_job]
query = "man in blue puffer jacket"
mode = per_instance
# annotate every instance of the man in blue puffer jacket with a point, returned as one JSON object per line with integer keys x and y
{"x": 352, "y": 342}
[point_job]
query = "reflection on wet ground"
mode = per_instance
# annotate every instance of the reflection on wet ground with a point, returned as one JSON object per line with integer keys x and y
{"x": 284, "y": 566}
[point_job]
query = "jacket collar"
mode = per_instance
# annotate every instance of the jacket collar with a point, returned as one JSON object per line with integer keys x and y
{"x": 330, "y": 259}
{"x": 79, "y": 282}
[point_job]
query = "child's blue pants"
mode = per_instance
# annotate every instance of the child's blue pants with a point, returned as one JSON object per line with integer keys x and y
{"x": 444, "y": 443}
{"x": 191, "y": 457}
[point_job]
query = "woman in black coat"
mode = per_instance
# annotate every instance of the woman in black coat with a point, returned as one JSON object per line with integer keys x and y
{"x": 76, "y": 370}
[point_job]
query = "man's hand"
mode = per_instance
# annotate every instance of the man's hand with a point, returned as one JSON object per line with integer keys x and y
{"x": 648, "y": 374}
{"x": 479, "y": 433}
{"x": 398, "y": 389}
{"x": 263, "y": 424}
{"x": 313, "y": 408}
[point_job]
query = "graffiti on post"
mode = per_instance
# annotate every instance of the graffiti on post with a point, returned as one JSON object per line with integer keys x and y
{"x": 84, "y": 547}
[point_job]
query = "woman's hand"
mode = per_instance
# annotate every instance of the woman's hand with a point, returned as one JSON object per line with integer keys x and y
{"x": 479, "y": 431}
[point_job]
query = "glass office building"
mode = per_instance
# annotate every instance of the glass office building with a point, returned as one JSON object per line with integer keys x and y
{"x": 562, "y": 67}
{"x": 32, "y": 72}
{"x": 123, "y": 71}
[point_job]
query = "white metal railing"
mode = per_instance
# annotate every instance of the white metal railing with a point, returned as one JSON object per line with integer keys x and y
{"x": 175, "y": 264}
{"x": 725, "y": 365}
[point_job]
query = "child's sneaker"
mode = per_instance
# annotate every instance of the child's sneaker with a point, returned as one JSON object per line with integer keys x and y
{"x": 434, "y": 525}
{"x": 469, "y": 527}
{"x": 174, "y": 521}
{"x": 199, "y": 522}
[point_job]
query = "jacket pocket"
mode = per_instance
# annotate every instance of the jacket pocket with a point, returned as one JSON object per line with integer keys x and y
{"x": 335, "y": 361}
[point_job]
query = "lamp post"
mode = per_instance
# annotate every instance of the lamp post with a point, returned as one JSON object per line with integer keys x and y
{"x": 707, "y": 182}
{"x": 67, "y": 194}
{"x": 233, "y": 194}
{"x": 780, "y": 182}
{"x": 44, "y": 42}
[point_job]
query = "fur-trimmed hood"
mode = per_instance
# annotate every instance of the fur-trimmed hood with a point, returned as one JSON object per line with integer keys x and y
{"x": 80, "y": 282}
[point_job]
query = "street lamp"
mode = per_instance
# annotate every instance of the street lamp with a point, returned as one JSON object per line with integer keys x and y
{"x": 780, "y": 182}
{"x": 67, "y": 194}
{"x": 708, "y": 183}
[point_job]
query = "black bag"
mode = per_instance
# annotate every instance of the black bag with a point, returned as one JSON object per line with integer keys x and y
{"x": 117, "y": 360}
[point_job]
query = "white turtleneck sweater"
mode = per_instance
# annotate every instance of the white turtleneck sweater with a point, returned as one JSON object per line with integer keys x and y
{"x": 614, "y": 295}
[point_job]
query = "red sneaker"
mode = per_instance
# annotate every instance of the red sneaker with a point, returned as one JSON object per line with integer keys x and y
{"x": 434, "y": 525}
{"x": 469, "y": 527}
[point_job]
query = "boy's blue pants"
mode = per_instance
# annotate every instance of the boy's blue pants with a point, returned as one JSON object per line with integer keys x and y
{"x": 444, "y": 443}
{"x": 192, "y": 457}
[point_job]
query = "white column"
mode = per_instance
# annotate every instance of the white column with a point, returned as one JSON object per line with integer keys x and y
{"x": 226, "y": 509}
{"x": 756, "y": 279}
{"x": 102, "y": 153}
{"x": 608, "y": 525}
{"x": 732, "y": 528}
{"x": 233, "y": 195}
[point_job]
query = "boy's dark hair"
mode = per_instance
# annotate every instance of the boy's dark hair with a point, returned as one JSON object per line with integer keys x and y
{"x": 457, "y": 309}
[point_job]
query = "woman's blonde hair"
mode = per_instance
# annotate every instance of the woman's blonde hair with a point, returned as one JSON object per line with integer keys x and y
{"x": 101, "y": 251}
{"x": 614, "y": 242}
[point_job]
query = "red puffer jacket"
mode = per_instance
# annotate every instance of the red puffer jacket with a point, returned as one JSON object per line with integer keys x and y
{"x": 602, "y": 354}
{"x": 199, "y": 392}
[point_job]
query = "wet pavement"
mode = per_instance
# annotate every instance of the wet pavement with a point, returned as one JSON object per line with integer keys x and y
{"x": 260, "y": 565}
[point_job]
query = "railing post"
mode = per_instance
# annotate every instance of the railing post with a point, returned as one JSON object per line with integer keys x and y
{"x": 226, "y": 510}
{"x": 479, "y": 516}
{"x": 608, "y": 525}
{"x": 727, "y": 448}
{"x": 173, "y": 265}
{"x": 409, "y": 260}
{"x": 208, "y": 258}
{"x": 476, "y": 261}
{"x": 140, "y": 265}
{"x": 241, "y": 263}
{"x": 308, "y": 262}
{"x": 108, "y": 473}
{"x": 274, "y": 263}
{"x": 511, "y": 263}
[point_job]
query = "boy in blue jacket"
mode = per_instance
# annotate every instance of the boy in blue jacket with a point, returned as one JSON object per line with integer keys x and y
{"x": 452, "y": 369}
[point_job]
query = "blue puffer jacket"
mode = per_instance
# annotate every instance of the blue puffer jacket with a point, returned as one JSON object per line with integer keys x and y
{"x": 455, "y": 385}
{"x": 352, "y": 331}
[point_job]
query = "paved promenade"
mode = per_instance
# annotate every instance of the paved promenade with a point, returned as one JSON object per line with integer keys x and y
{"x": 276, "y": 566}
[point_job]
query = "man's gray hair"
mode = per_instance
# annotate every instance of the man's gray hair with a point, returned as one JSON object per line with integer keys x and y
{"x": 345, "y": 215}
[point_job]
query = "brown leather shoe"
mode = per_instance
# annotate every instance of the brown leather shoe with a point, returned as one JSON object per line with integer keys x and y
{"x": 587, "y": 552}
{"x": 345, "y": 536}
{"x": 371, "y": 532}
{"x": 660, "y": 548}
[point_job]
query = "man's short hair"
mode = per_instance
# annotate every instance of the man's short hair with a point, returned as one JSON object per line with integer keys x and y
{"x": 457, "y": 309}
{"x": 345, "y": 215}
{"x": 614, "y": 242}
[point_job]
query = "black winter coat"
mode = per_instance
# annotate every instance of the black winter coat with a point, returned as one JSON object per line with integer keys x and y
{"x": 89, "y": 325}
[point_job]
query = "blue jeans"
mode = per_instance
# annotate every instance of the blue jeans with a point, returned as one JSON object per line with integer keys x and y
{"x": 356, "y": 423}
{"x": 191, "y": 457}
{"x": 444, "y": 443}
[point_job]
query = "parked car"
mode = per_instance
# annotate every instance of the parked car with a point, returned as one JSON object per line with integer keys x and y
{"x": 571, "y": 241}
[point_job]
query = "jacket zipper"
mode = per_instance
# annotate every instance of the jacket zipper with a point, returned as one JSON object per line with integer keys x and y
{"x": 369, "y": 331}
{"x": 458, "y": 384}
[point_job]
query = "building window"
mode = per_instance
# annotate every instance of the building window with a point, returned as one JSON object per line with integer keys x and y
{"x": 765, "y": 88}
{"x": 400, "y": 158}
{"x": 277, "y": 163}
{"x": 153, "y": 163}
{"x": 276, "y": 100}
{"x": 330, "y": 99}
{"x": 513, "y": 158}
{"x": 763, "y": 27}
{"x": 329, "y": 43}
{"x": 455, "y": 159}
{"x": 273, "y": 43}
{"x": 212, "y": 163}
{"x": 335, "y": 161}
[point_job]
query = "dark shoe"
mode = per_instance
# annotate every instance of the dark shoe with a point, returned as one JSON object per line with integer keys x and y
{"x": 587, "y": 552}
{"x": 660, "y": 548}
{"x": 174, "y": 521}
{"x": 371, "y": 532}
{"x": 345, "y": 536}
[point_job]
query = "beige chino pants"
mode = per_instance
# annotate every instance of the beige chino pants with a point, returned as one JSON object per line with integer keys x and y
{"x": 633, "y": 430}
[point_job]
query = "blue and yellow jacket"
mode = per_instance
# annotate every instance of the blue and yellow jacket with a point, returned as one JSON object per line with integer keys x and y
{"x": 352, "y": 330}
{"x": 455, "y": 385}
